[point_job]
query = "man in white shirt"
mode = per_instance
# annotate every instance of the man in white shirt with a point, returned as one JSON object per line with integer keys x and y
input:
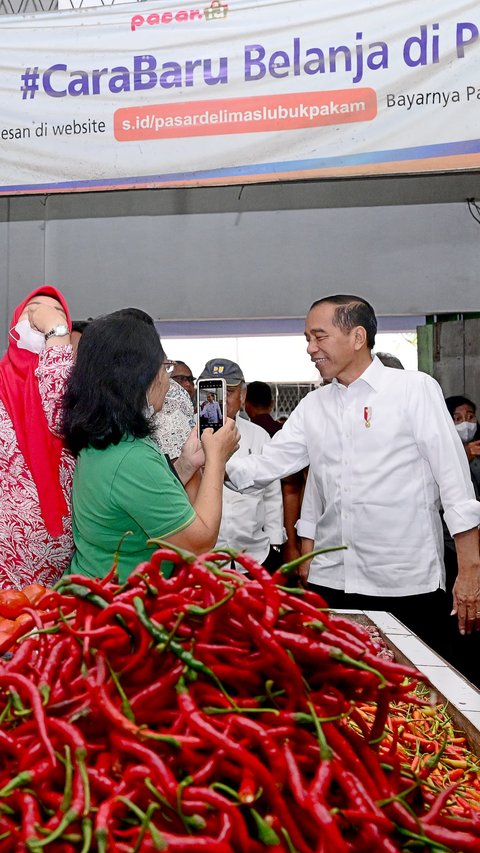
{"x": 252, "y": 522}
{"x": 211, "y": 411}
{"x": 384, "y": 453}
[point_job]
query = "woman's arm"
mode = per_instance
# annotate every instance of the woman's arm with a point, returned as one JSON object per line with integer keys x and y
{"x": 53, "y": 367}
{"x": 202, "y": 533}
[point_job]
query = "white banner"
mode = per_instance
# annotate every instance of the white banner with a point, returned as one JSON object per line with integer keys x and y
{"x": 159, "y": 94}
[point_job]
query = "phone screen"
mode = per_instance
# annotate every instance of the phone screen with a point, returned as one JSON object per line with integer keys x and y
{"x": 211, "y": 404}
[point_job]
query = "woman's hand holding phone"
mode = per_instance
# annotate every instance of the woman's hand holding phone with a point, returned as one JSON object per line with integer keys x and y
{"x": 222, "y": 443}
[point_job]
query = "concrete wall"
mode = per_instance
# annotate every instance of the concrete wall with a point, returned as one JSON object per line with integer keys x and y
{"x": 238, "y": 253}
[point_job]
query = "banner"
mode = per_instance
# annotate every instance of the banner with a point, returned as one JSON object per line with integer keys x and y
{"x": 161, "y": 94}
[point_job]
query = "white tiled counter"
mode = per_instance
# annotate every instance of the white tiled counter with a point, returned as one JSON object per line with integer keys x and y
{"x": 462, "y": 698}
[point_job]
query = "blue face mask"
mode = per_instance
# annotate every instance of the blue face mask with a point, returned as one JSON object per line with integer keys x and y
{"x": 28, "y": 338}
{"x": 466, "y": 430}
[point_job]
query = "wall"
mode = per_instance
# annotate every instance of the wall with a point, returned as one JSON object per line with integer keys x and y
{"x": 450, "y": 352}
{"x": 239, "y": 253}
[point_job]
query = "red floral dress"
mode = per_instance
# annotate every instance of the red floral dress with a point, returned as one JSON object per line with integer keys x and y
{"x": 28, "y": 554}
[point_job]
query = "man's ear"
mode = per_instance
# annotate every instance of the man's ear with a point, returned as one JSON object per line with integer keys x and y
{"x": 359, "y": 337}
{"x": 243, "y": 397}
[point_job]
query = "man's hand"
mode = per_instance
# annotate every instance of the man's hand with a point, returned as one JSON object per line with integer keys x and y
{"x": 303, "y": 572}
{"x": 466, "y": 599}
{"x": 466, "y": 591}
{"x": 223, "y": 443}
{"x": 306, "y": 547}
{"x": 290, "y": 551}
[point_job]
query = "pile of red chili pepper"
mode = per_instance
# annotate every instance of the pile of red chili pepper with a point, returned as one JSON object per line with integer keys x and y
{"x": 210, "y": 711}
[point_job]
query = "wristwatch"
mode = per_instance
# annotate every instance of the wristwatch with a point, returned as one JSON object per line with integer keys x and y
{"x": 57, "y": 332}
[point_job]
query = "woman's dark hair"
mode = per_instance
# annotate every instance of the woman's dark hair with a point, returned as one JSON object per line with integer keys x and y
{"x": 138, "y": 313}
{"x": 457, "y": 400}
{"x": 106, "y": 394}
{"x": 352, "y": 311}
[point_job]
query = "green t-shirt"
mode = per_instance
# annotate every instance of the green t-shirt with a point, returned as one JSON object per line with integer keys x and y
{"x": 126, "y": 487}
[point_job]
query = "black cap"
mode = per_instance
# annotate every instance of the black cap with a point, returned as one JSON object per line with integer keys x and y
{"x": 223, "y": 368}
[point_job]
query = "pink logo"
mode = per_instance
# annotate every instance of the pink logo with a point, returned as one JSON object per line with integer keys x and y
{"x": 215, "y": 11}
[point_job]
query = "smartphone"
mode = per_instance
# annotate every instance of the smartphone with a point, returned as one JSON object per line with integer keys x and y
{"x": 211, "y": 404}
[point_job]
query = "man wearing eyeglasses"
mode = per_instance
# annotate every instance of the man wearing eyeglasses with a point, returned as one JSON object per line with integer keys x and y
{"x": 183, "y": 375}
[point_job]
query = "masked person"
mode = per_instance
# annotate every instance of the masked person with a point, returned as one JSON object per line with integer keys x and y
{"x": 125, "y": 493}
{"x": 35, "y": 469}
{"x": 175, "y": 421}
{"x": 464, "y": 414}
{"x": 462, "y": 652}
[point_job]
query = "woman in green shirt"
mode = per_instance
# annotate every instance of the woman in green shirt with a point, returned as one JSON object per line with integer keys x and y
{"x": 123, "y": 483}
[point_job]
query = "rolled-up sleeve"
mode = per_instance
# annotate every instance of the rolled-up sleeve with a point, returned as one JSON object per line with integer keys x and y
{"x": 442, "y": 447}
{"x": 306, "y": 525}
{"x": 273, "y": 505}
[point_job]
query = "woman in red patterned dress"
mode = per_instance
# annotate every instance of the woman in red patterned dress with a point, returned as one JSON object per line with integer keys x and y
{"x": 35, "y": 469}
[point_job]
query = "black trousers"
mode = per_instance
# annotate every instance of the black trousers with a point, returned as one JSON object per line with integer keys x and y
{"x": 424, "y": 614}
{"x": 463, "y": 651}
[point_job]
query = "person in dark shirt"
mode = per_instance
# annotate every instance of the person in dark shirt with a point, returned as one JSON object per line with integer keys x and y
{"x": 463, "y": 652}
{"x": 258, "y": 406}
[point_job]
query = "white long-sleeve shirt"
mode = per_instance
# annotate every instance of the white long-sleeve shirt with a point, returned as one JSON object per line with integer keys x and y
{"x": 383, "y": 454}
{"x": 252, "y": 522}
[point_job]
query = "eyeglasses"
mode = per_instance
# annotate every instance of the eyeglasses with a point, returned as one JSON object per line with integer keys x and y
{"x": 182, "y": 378}
{"x": 168, "y": 366}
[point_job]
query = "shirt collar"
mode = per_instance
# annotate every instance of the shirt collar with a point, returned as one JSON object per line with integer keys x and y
{"x": 373, "y": 375}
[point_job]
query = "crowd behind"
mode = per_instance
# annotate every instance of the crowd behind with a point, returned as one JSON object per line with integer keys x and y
{"x": 100, "y": 455}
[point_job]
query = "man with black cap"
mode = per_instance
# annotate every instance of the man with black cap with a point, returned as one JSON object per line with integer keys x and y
{"x": 253, "y": 522}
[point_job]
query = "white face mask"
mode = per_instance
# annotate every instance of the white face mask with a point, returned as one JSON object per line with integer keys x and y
{"x": 29, "y": 338}
{"x": 466, "y": 430}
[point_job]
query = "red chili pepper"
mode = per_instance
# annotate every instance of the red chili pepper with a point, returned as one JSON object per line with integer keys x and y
{"x": 159, "y": 769}
{"x": 270, "y": 591}
{"x": 89, "y": 584}
{"x": 312, "y": 802}
{"x": 438, "y": 805}
{"x": 67, "y": 672}
{"x": 23, "y": 685}
{"x": 215, "y": 799}
{"x": 260, "y": 735}
{"x": 218, "y": 739}
{"x": 9, "y": 745}
{"x": 9, "y": 836}
{"x": 102, "y": 785}
{"x": 267, "y": 641}
{"x": 30, "y": 816}
{"x": 158, "y": 692}
{"x": 59, "y": 651}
